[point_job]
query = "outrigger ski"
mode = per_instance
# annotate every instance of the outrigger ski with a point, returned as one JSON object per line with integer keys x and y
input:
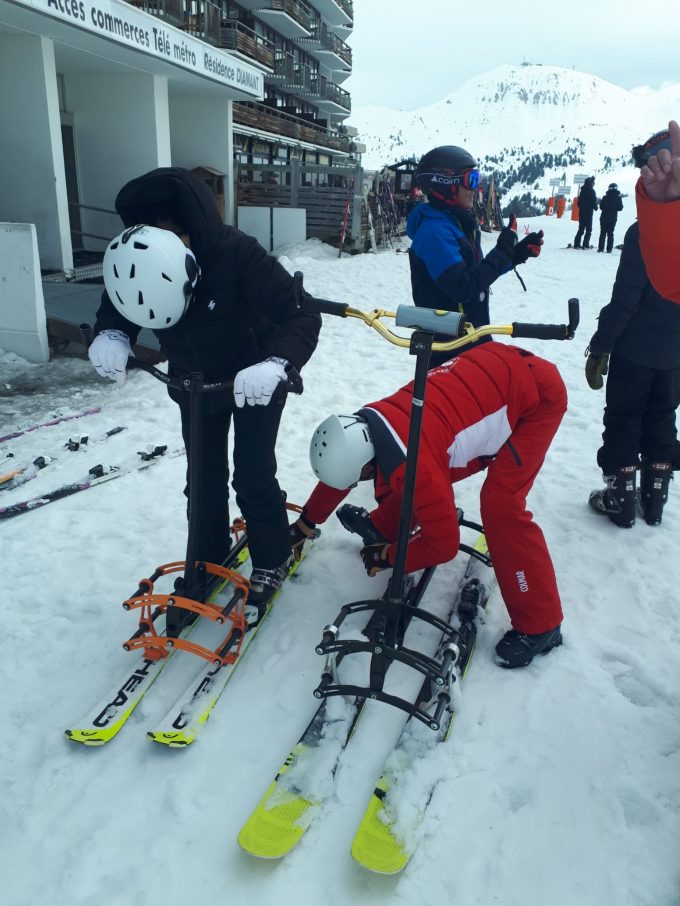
{"x": 182, "y": 723}
{"x": 377, "y": 844}
{"x": 289, "y": 806}
{"x": 110, "y": 714}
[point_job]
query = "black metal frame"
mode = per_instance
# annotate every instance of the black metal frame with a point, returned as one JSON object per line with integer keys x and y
{"x": 400, "y": 605}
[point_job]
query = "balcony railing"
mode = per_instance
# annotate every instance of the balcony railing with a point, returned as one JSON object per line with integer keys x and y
{"x": 265, "y": 119}
{"x": 202, "y": 20}
{"x": 330, "y": 92}
{"x": 328, "y": 43}
{"x": 236, "y": 36}
{"x": 296, "y": 9}
{"x": 171, "y": 11}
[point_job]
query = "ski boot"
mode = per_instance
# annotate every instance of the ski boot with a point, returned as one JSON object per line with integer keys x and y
{"x": 356, "y": 519}
{"x": 517, "y": 649}
{"x": 655, "y": 477}
{"x": 264, "y": 583}
{"x": 618, "y": 499}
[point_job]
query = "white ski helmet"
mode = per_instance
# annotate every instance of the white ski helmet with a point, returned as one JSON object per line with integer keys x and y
{"x": 150, "y": 276}
{"x": 340, "y": 448}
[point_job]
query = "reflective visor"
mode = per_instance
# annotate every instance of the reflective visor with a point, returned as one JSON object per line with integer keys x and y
{"x": 469, "y": 179}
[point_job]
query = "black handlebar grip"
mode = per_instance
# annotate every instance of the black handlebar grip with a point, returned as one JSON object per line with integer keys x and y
{"x": 540, "y": 331}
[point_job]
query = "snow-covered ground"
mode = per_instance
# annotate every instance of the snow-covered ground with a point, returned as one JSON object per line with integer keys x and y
{"x": 561, "y": 782}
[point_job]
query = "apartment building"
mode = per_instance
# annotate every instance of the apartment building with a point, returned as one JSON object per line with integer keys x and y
{"x": 95, "y": 92}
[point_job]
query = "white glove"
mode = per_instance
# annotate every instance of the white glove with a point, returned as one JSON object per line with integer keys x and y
{"x": 256, "y": 384}
{"x": 109, "y": 353}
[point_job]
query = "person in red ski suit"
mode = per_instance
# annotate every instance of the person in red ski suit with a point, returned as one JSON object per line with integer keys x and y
{"x": 494, "y": 407}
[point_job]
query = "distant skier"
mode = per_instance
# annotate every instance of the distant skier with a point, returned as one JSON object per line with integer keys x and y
{"x": 448, "y": 269}
{"x": 494, "y": 407}
{"x": 657, "y": 196}
{"x": 637, "y": 343}
{"x": 587, "y": 205}
{"x": 221, "y": 305}
{"x": 610, "y": 205}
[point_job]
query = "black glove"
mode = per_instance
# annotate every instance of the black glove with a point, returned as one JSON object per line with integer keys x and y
{"x": 596, "y": 366}
{"x": 506, "y": 242}
{"x": 376, "y": 557}
{"x": 299, "y": 532}
{"x": 529, "y": 247}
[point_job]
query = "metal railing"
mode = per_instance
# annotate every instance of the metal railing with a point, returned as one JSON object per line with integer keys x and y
{"x": 296, "y": 9}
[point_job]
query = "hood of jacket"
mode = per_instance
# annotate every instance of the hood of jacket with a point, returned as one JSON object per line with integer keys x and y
{"x": 179, "y": 190}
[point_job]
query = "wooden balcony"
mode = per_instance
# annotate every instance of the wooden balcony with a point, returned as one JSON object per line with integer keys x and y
{"x": 290, "y": 18}
{"x": 202, "y": 20}
{"x": 275, "y": 122}
{"x": 171, "y": 11}
{"x": 327, "y": 47}
{"x": 238, "y": 38}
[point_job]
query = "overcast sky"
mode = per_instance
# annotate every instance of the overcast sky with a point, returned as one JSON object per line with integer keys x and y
{"x": 410, "y": 53}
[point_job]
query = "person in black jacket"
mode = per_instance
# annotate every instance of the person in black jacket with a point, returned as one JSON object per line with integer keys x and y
{"x": 637, "y": 343}
{"x": 610, "y": 205}
{"x": 587, "y": 205}
{"x": 448, "y": 269}
{"x": 242, "y": 323}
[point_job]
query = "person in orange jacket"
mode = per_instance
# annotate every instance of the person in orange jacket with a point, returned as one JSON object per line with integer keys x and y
{"x": 494, "y": 407}
{"x": 657, "y": 195}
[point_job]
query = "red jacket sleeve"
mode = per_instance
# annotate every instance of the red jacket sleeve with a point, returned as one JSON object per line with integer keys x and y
{"x": 438, "y": 536}
{"x": 659, "y": 231}
{"x": 322, "y": 501}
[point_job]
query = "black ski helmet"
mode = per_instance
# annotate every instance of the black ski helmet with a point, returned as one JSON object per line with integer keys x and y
{"x": 435, "y": 169}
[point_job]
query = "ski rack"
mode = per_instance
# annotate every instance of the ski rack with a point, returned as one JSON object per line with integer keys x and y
{"x": 395, "y": 606}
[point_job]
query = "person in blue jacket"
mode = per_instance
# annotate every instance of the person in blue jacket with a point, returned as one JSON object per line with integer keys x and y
{"x": 448, "y": 269}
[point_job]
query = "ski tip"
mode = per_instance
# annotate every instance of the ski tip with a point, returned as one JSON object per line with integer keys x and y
{"x": 273, "y": 830}
{"x": 171, "y": 740}
{"x": 375, "y": 846}
{"x": 88, "y": 737}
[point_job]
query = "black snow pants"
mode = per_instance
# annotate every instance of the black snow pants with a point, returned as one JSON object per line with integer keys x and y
{"x": 585, "y": 224}
{"x": 258, "y": 495}
{"x": 606, "y": 232}
{"x": 639, "y": 416}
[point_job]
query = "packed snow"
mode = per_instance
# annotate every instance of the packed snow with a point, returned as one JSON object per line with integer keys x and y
{"x": 560, "y": 783}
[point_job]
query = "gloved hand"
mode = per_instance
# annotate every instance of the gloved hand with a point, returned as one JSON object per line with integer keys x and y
{"x": 300, "y": 531}
{"x": 256, "y": 384}
{"x": 376, "y": 557}
{"x": 596, "y": 366}
{"x": 109, "y": 353}
{"x": 529, "y": 247}
{"x": 507, "y": 241}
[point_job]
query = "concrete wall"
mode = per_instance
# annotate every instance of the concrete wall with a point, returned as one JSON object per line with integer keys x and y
{"x": 23, "y": 327}
{"x": 201, "y": 136}
{"x": 32, "y": 158}
{"x": 121, "y": 127}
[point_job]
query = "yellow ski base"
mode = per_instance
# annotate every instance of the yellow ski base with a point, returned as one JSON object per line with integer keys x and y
{"x": 374, "y": 846}
{"x": 273, "y": 830}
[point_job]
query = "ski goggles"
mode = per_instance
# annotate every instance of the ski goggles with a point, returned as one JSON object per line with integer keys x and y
{"x": 469, "y": 180}
{"x": 659, "y": 141}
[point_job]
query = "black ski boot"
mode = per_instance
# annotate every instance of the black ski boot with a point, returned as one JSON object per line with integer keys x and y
{"x": 356, "y": 519}
{"x": 264, "y": 583}
{"x": 517, "y": 649}
{"x": 655, "y": 477}
{"x": 618, "y": 499}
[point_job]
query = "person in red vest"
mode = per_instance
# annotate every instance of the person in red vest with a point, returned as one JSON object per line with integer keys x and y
{"x": 494, "y": 407}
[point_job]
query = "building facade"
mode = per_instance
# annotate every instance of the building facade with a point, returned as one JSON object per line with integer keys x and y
{"x": 96, "y": 92}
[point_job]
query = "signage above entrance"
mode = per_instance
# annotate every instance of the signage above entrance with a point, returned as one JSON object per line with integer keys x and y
{"x": 120, "y": 22}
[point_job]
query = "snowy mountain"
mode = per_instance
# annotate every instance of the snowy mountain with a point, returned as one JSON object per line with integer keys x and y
{"x": 527, "y": 124}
